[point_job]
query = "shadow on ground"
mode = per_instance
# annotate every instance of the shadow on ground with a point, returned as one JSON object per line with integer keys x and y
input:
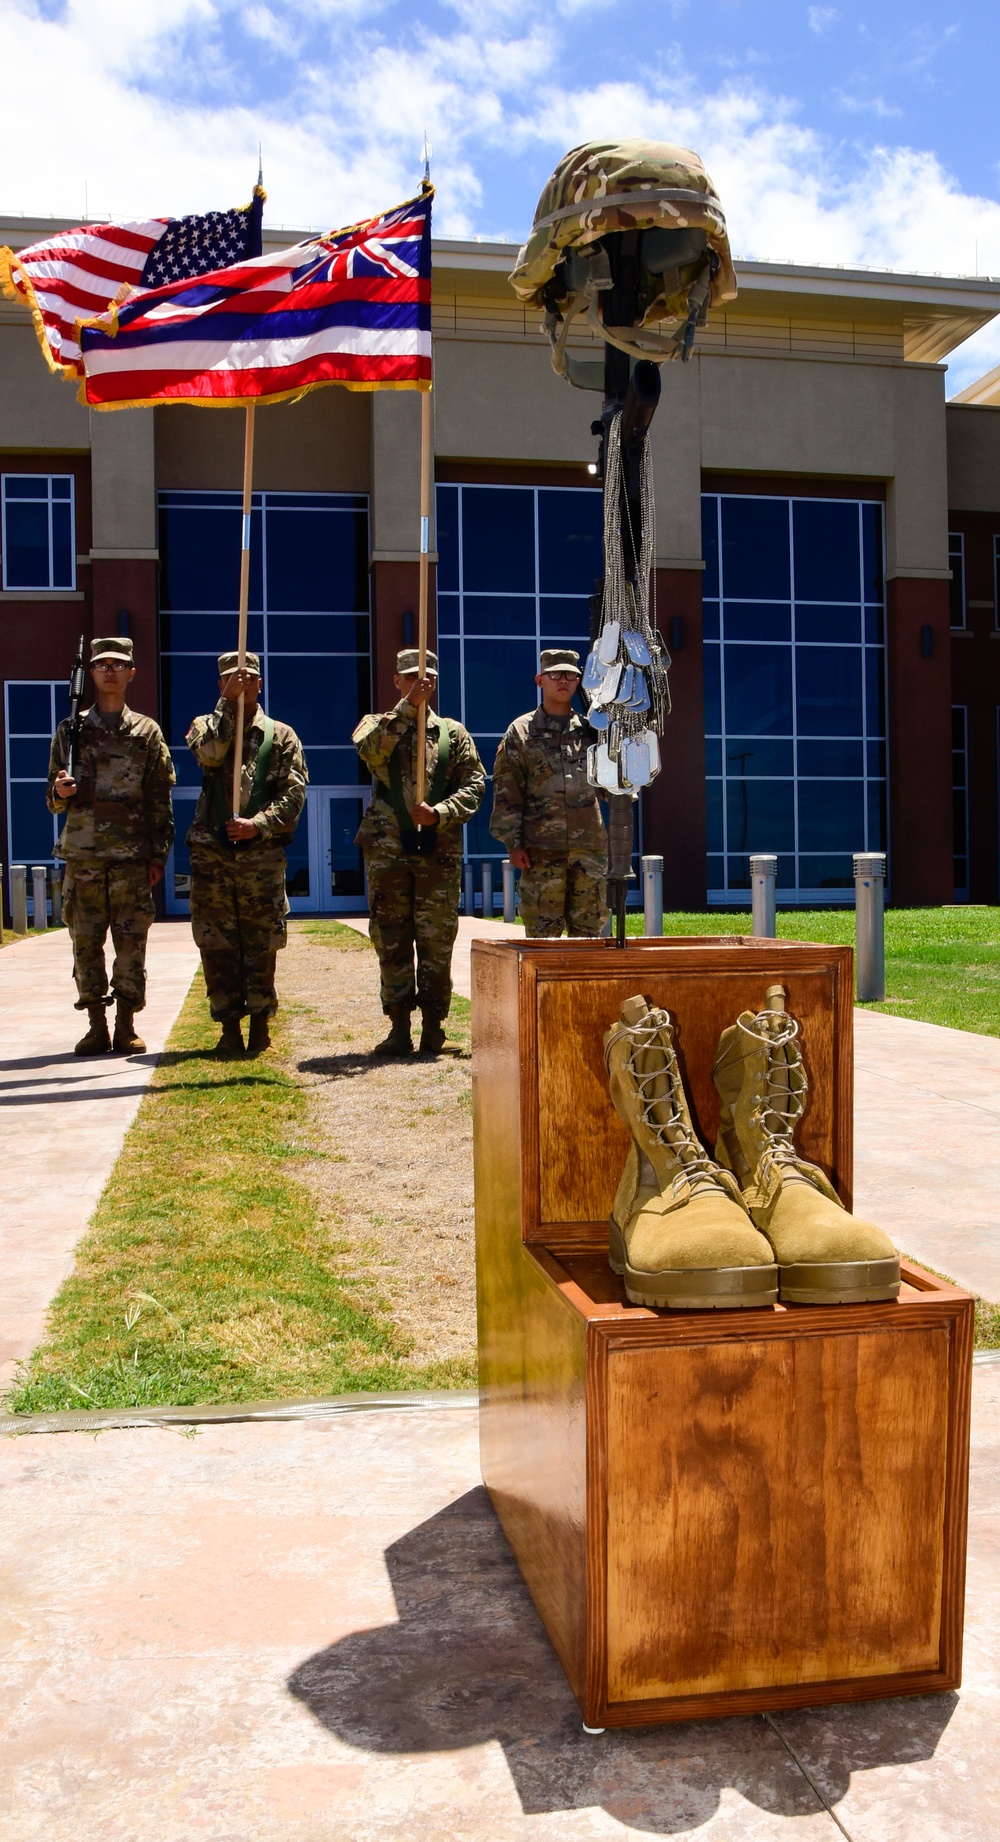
{"x": 469, "y": 1662}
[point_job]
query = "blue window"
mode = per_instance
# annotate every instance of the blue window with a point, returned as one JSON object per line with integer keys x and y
{"x": 32, "y": 712}
{"x": 39, "y": 538}
{"x": 794, "y": 688}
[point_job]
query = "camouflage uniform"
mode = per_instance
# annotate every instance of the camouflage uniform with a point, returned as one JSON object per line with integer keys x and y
{"x": 118, "y": 822}
{"x": 543, "y": 801}
{"x": 238, "y": 901}
{"x": 413, "y": 900}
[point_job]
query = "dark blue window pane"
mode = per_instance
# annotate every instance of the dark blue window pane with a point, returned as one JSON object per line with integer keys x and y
{"x": 186, "y": 768}
{"x": 877, "y": 826}
{"x": 31, "y": 833}
{"x": 758, "y": 690}
{"x": 761, "y": 815}
{"x": 339, "y": 633}
{"x": 710, "y": 545}
{"x": 875, "y": 690}
{"x": 757, "y": 620}
{"x": 710, "y": 620}
{"x": 834, "y": 871}
{"x": 448, "y": 606}
{"x": 565, "y": 618}
{"x": 446, "y": 506}
{"x": 180, "y": 855}
{"x": 29, "y": 709}
{"x": 834, "y": 760}
{"x": 839, "y": 625}
{"x": 63, "y": 560}
{"x": 713, "y": 755}
{"x": 876, "y": 759}
{"x": 871, "y": 523}
{"x": 755, "y": 549}
{"x": 828, "y": 690}
{"x": 875, "y": 625}
{"x": 499, "y": 682}
{"x": 827, "y": 554}
{"x": 28, "y": 760}
{"x": 739, "y": 872}
{"x": 200, "y": 558}
{"x": 189, "y": 688}
{"x": 26, "y": 551}
{"x": 758, "y": 756}
{"x": 713, "y": 692}
{"x": 716, "y": 872}
{"x": 486, "y": 748}
{"x": 317, "y": 560}
{"x": 208, "y": 633}
{"x": 831, "y": 815}
{"x": 499, "y": 614}
{"x": 713, "y": 800}
{"x": 62, "y": 489}
{"x": 26, "y": 486}
{"x": 449, "y": 678}
{"x": 321, "y": 699}
{"x": 498, "y": 539}
{"x": 570, "y": 555}
{"x": 479, "y": 841}
{"x": 336, "y": 767}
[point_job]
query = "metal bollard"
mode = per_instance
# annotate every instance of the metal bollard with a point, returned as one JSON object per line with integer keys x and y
{"x": 509, "y": 891}
{"x": 652, "y": 896}
{"x": 763, "y": 872}
{"x": 19, "y": 898}
{"x": 39, "y": 897}
{"x": 470, "y": 890}
{"x": 57, "y": 882}
{"x": 487, "y": 891}
{"x": 869, "y": 896}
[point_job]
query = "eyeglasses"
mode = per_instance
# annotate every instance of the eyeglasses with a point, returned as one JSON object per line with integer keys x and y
{"x": 562, "y": 677}
{"x": 112, "y": 665}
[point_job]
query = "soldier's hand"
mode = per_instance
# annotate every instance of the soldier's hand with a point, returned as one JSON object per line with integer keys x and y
{"x": 155, "y": 873}
{"x": 237, "y": 682}
{"x": 240, "y": 828}
{"x": 421, "y": 690}
{"x": 422, "y": 814}
{"x": 64, "y": 786}
{"x": 519, "y": 857}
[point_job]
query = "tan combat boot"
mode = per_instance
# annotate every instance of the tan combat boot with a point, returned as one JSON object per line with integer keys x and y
{"x": 258, "y": 1035}
{"x": 431, "y": 1034}
{"x": 127, "y": 1041}
{"x": 399, "y": 1041}
{"x": 825, "y": 1256}
{"x": 97, "y": 1040}
{"x": 679, "y": 1231}
{"x": 230, "y": 1043}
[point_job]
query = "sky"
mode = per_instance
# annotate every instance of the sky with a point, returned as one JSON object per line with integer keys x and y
{"x": 859, "y": 135}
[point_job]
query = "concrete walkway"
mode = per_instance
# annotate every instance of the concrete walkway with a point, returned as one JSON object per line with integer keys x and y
{"x": 62, "y": 1119}
{"x": 316, "y": 1630}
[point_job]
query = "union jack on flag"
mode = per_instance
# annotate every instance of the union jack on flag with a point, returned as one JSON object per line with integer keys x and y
{"x": 351, "y": 308}
{"x": 78, "y": 273}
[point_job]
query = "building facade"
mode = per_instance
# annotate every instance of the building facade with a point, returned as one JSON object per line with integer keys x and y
{"x": 827, "y": 555}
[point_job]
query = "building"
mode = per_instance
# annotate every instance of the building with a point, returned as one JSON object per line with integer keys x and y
{"x": 826, "y": 551}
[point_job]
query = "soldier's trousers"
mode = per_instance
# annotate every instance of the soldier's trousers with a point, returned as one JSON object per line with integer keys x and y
{"x": 102, "y": 895}
{"x": 238, "y": 919}
{"x": 413, "y": 904}
{"x": 564, "y": 890}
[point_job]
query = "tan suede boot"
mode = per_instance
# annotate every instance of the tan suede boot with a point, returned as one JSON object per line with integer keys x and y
{"x": 97, "y": 1040}
{"x": 399, "y": 1041}
{"x": 127, "y": 1040}
{"x": 825, "y": 1256}
{"x": 679, "y": 1231}
{"x": 230, "y": 1043}
{"x": 431, "y": 1035}
{"x": 258, "y": 1034}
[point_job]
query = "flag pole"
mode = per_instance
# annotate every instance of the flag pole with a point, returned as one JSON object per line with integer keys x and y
{"x": 244, "y": 600}
{"x": 425, "y": 527}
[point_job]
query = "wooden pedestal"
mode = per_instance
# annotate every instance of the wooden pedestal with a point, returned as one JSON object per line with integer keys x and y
{"x": 715, "y": 1512}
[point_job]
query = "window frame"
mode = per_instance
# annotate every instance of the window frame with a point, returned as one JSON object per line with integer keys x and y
{"x": 956, "y": 554}
{"x": 51, "y": 587}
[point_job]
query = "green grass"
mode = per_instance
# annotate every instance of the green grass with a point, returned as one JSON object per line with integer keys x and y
{"x": 942, "y": 965}
{"x": 208, "y": 1274}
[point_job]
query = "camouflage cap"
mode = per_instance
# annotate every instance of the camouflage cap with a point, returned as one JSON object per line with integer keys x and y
{"x": 560, "y": 658}
{"x": 118, "y": 648}
{"x": 230, "y": 662}
{"x": 409, "y": 661}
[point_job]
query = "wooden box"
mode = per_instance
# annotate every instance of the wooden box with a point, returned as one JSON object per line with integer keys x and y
{"x": 715, "y": 1512}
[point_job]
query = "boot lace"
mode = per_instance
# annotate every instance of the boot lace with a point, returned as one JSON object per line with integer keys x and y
{"x": 697, "y": 1170}
{"x": 786, "y": 1085}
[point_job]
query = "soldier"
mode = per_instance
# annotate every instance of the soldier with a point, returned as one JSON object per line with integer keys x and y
{"x": 414, "y": 877}
{"x": 238, "y": 901}
{"x": 119, "y": 828}
{"x": 546, "y": 812}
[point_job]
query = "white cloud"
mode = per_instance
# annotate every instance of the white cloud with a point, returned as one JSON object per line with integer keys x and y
{"x": 821, "y": 18}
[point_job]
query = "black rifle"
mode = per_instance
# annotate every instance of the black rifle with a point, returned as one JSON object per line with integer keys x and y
{"x": 77, "y": 686}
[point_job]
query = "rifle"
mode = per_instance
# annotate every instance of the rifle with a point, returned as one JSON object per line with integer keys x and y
{"x": 77, "y": 686}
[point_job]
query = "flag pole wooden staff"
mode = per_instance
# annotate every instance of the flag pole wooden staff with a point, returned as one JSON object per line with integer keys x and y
{"x": 244, "y": 600}
{"x": 425, "y": 528}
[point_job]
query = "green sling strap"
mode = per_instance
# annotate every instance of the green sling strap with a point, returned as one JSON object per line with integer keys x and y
{"x": 414, "y": 841}
{"x": 215, "y": 787}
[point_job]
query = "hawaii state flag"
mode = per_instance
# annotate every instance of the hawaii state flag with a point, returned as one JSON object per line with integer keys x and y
{"x": 351, "y": 308}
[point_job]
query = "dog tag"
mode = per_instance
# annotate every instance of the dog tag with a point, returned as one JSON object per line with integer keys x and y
{"x": 626, "y": 687}
{"x": 637, "y": 649}
{"x": 652, "y": 742}
{"x": 593, "y": 671}
{"x": 640, "y": 697}
{"x": 609, "y": 689}
{"x": 635, "y": 762}
{"x": 606, "y": 770}
{"x": 607, "y": 645}
{"x": 597, "y": 718}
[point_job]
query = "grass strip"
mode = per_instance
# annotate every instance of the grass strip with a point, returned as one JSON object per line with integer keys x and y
{"x": 208, "y": 1274}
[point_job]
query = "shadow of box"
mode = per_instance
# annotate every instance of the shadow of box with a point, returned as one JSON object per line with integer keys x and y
{"x": 714, "y": 1512}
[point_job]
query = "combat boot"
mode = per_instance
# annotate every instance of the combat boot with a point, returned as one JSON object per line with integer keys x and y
{"x": 230, "y": 1043}
{"x": 126, "y": 1039}
{"x": 825, "y": 1256}
{"x": 399, "y": 1040}
{"x": 680, "y": 1234}
{"x": 258, "y": 1036}
{"x": 431, "y": 1034}
{"x": 97, "y": 1040}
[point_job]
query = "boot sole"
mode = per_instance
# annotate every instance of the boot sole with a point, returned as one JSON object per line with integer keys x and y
{"x": 723, "y": 1288}
{"x": 839, "y": 1282}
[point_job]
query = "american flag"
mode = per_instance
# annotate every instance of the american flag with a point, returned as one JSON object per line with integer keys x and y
{"x": 78, "y": 273}
{"x": 351, "y": 308}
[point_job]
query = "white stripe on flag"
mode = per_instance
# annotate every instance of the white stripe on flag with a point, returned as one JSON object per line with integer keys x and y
{"x": 196, "y": 356}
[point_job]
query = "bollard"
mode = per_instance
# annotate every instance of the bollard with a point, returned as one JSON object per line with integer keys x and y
{"x": 652, "y": 896}
{"x": 19, "y": 898}
{"x": 487, "y": 891}
{"x": 509, "y": 891}
{"x": 57, "y": 882}
{"x": 869, "y": 957}
{"x": 39, "y": 897}
{"x": 763, "y": 871}
{"x": 470, "y": 890}
{"x": 1, "y": 904}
